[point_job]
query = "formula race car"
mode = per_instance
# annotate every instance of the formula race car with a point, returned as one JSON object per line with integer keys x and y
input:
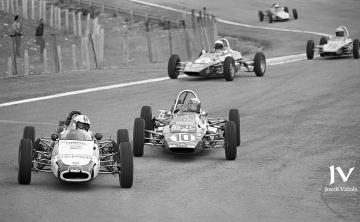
{"x": 185, "y": 128}
{"x": 338, "y": 45}
{"x": 277, "y": 13}
{"x": 221, "y": 61}
{"x": 73, "y": 159}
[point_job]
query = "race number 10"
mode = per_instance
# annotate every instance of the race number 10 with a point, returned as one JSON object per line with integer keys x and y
{"x": 183, "y": 137}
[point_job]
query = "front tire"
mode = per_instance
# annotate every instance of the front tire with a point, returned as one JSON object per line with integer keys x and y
{"x": 356, "y": 49}
{"x": 259, "y": 64}
{"x": 310, "y": 49}
{"x": 122, "y": 136}
{"x": 127, "y": 165}
{"x": 230, "y": 140}
{"x": 29, "y": 133}
{"x": 25, "y": 161}
{"x": 173, "y": 66}
{"x": 235, "y": 117}
{"x": 229, "y": 68}
{"x": 139, "y": 137}
{"x": 295, "y": 14}
{"x": 270, "y": 18}
{"x": 261, "y": 16}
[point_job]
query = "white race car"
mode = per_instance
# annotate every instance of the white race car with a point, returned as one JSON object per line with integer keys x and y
{"x": 338, "y": 45}
{"x": 73, "y": 159}
{"x": 277, "y": 13}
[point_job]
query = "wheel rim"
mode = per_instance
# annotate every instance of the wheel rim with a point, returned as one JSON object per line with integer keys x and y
{"x": 232, "y": 70}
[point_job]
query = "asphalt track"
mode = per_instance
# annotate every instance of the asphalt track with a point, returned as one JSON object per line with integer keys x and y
{"x": 296, "y": 121}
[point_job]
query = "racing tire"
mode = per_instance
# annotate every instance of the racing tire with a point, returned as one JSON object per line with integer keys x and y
{"x": 323, "y": 41}
{"x": 29, "y": 133}
{"x": 270, "y": 18}
{"x": 295, "y": 14}
{"x": 310, "y": 49}
{"x": 286, "y": 9}
{"x": 230, "y": 139}
{"x": 139, "y": 137}
{"x": 127, "y": 165}
{"x": 173, "y": 70}
{"x": 122, "y": 136}
{"x": 146, "y": 114}
{"x": 356, "y": 49}
{"x": 259, "y": 64}
{"x": 229, "y": 68}
{"x": 235, "y": 117}
{"x": 25, "y": 161}
{"x": 261, "y": 16}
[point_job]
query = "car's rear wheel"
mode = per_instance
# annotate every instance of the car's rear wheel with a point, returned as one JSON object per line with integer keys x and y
{"x": 235, "y": 117}
{"x": 310, "y": 49}
{"x": 259, "y": 64}
{"x": 173, "y": 66}
{"x": 229, "y": 68}
{"x": 295, "y": 14}
{"x": 139, "y": 137}
{"x": 25, "y": 161}
{"x": 126, "y": 165}
{"x": 323, "y": 41}
{"x": 356, "y": 49}
{"x": 261, "y": 16}
{"x": 286, "y": 9}
{"x": 29, "y": 133}
{"x": 270, "y": 18}
{"x": 230, "y": 140}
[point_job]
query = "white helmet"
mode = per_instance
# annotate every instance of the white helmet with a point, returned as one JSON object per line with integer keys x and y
{"x": 193, "y": 105}
{"x": 82, "y": 122}
{"x": 340, "y": 32}
{"x": 219, "y": 44}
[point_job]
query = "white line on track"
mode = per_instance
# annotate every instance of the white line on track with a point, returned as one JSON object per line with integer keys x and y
{"x": 25, "y": 122}
{"x": 231, "y": 22}
{"x": 270, "y": 62}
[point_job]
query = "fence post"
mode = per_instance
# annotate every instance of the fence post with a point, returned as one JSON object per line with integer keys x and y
{"x": 187, "y": 42}
{"x": 126, "y": 48}
{"x": 51, "y": 16}
{"x": 14, "y": 65}
{"x": 46, "y": 67}
{"x": 16, "y": 7}
{"x": 55, "y": 17}
{"x": 132, "y": 17}
{"x": 79, "y": 23}
{"x": 26, "y": 62}
{"x": 87, "y": 28}
{"x": 101, "y": 48}
{"x": 2, "y": 5}
{"x": 7, "y": 6}
{"x": 60, "y": 58}
{"x": 56, "y": 55}
{"x": 170, "y": 37}
{"x": 9, "y": 67}
{"x": 74, "y": 22}
{"x": 32, "y": 10}
{"x": 93, "y": 49}
{"x": 40, "y": 8}
{"x": 148, "y": 40}
{"x": 59, "y": 18}
{"x": 67, "y": 21}
{"x": 73, "y": 52}
{"x": 44, "y": 12}
{"x": 12, "y": 7}
{"x": 25, "y": 8}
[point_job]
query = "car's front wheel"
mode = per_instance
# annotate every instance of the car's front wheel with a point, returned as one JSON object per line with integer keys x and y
{"x": 310, "y": 46}
{"x": 173, "y": 66}
{"x": 139, "y": 137}
{"x": 261, "y": 16}
{"x": 235, "y": 117}
{"x": 356, "y": 49}
{"x": 230, "y": 140}
{"x": 126, "y": 165}
{"x": 259, "y": 64}
{"x": 229, "y": 68}
{"x": 295, "y": 14}
{"x": 25, "y": 161}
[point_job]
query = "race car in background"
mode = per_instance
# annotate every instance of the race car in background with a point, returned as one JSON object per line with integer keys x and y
{"x": 339, "y": 45}
{"x": 185, "y": 129}
{"x": 73, "y": 159}
{"x": 277, "y": 13}
{"x": 225, "y": 62}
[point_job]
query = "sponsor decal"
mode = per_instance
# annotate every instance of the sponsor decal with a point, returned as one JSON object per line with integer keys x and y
{"x": 70, "y": 155}
{"x": 345, "y": 177}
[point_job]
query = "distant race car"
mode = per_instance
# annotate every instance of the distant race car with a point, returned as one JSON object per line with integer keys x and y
{"x": 338, "y": 45}
{"x": 277, "y": 13}
{"x": 181, "y": 130}
{"x": 74, "y": 159}
{"x": 223, "y": 62}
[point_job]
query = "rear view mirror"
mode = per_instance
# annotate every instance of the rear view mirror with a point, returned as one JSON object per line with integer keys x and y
{"x": 54, "y": 137}
{"x": 98, "y": 136}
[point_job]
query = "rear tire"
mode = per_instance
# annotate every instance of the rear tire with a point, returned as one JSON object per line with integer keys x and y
{"x": 235, "y": 117}
{"x": 230, "y": 139}
{"x": 270, "y": 18}
{"x": 229, "y": 68}
{"x": 323, "y": 41}
{"x": 139, "y": 137}
{"x": 356, "y": 49}
{"x": 259, "y": 64}
{"x": 25, "y": 161}
{"x": 173, "y": 70}
{"x": 310, "y": 49}
{"x": 295, "y": 13}
{"x": 261, "y": 16}
{"x": 29, "y": 133}
{"x": 127, "y": 165}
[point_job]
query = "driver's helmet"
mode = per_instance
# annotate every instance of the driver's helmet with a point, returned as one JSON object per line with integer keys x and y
{"x": 339, "y": 32}
{"x": 71, "y": 116}
{"x": 275, "y": 5}
{"x": 193, "y": 105}
{"x": 219, "y": 45}
{"x": 82, "y": 122}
